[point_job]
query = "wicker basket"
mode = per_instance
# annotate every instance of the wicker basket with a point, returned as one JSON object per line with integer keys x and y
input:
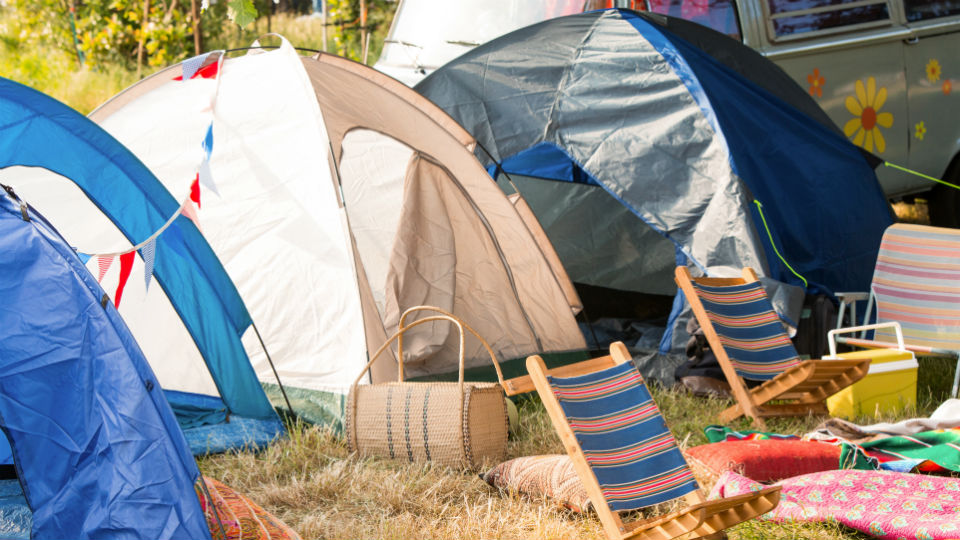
{"x": 462, "y": 424}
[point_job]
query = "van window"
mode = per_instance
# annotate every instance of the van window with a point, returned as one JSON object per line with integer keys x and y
{"x": 721, "y": 15}
{"x": 807, "y": 18}
{"x": 920, "y": 10}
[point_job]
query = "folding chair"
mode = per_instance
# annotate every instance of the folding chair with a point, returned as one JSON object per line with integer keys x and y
{"x": 627, "y": 458}
{"x": 750, "y": 343}
{"x": 916, "y": 283}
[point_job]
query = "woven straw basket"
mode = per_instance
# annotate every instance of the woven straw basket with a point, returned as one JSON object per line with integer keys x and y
{"x": 462, "y": 424}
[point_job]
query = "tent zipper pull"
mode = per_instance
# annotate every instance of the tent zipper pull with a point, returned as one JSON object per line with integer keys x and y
{"x": 23, "y": 205}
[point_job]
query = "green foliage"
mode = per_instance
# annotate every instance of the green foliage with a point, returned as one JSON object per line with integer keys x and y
{"x": 109, "y": 31}
{"x": 346, "y": 30}
{"x": 241, "y": 12}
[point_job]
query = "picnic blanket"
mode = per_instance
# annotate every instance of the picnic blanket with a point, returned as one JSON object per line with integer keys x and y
{"x": 932, "y": 452}
{"x": 884, "y": 504}
{"x": 946, "y": 416}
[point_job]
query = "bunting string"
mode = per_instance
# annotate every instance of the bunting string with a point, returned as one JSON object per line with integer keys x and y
{"x": 190, "y": 68}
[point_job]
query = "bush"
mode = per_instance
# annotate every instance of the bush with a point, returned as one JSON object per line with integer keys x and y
{"x": 109, "y": 31}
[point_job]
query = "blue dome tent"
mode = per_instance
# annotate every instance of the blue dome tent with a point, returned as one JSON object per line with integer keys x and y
{"x": 659, "y": 152}
{"x": 41, "y": 137}
{"x": 97, "y": 450}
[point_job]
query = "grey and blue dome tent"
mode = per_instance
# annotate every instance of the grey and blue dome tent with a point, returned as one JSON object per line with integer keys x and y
{"x": 97, "y": 450}
{"x": 725, "y": 163}
{"x": 43, "y": 140}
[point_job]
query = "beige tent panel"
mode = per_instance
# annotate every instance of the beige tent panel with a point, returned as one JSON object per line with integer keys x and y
{"x": 512, "y": 261}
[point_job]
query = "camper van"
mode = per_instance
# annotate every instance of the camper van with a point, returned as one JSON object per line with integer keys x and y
{"x": 886, "y": 71}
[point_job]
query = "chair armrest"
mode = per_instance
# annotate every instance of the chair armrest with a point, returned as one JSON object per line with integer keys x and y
{"x": 832, "y": 334}
{"x": 852, "y": 296}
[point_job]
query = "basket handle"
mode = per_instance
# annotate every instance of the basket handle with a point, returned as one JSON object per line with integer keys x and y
{"x": 441, "y": 316}
{"x": 460, "y": 323}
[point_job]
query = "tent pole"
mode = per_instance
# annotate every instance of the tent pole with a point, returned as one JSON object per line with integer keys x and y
{"x": 273, "y": 367}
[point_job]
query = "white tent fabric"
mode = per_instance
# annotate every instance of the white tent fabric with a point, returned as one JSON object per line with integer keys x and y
{"x": 345, "y": 198}
{"x": 426, "y": 34}
{"x": 276, "y": 225}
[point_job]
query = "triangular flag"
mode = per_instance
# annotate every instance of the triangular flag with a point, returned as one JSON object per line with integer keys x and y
{"x": 191, "y": 213}
{"x": 126, "y": 264}
{"x": 84, "y": 258}
{"x": 104, "y": 264}
{"x": 195, "y": 190}
{"x": 208, "y": 140}
{"x": 206, "y": 177}
{"x": 191, "y": 65}
{"x": 148, "y": 252}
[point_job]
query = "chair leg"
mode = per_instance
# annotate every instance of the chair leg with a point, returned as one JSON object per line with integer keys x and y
{"x": 731, "y": 413}
{"x": 736, "y": 411}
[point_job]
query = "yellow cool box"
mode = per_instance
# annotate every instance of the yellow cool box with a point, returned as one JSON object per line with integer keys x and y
{"x": 890, "y": 385}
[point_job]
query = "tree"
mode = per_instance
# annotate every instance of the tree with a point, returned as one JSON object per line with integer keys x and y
{"x": 110, "y": 31}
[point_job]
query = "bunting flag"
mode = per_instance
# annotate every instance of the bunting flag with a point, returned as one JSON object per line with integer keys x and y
{"x": 195, "y": 190}
{"x": 190, "y": 66}
{"x": 103, "y": 262}
{"x": 126, "y": 265}
{"x": 206, "y": 177}
{"x": 191, "y": 213}
{"x": 148, "y": 252}
{"x": 84, "y": 258}
{"x": 208, "y": 141}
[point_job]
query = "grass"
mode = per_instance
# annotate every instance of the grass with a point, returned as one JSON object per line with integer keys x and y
{"x": 313, "y": 483}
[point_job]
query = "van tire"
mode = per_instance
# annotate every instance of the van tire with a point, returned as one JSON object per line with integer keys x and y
{"x": 944, "y": 201}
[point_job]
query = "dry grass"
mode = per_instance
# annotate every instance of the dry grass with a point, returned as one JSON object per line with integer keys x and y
{"x": 313, "y": 483}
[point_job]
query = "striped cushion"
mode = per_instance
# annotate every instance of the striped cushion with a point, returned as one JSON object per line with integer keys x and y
{"x": 917, "y": 283}
{"x": 628, "y": 446}
{"x": 749, "y": 329}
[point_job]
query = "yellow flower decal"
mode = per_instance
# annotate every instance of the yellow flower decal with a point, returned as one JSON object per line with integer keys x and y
{"x": 867, "y": 121}
{"x": 921, "y": 130}
{"x": 933, "y": 70}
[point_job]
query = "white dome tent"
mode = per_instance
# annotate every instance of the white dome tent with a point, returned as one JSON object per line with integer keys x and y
{"x": 344, "y": 198}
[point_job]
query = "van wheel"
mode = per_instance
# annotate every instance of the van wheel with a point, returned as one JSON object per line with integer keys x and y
{"x": 944, "y": 201}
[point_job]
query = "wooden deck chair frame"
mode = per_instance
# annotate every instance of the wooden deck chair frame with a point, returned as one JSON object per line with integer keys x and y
{"x": 701, "y": 518}
{"x": 805, "y": 386}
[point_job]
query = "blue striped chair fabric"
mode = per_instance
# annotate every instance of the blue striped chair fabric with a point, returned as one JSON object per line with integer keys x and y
{"x": 624, "y": 438}
{"x": 749, "y": 329}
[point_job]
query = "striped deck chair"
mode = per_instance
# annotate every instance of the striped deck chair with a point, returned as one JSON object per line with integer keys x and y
{"x": 750, "y": 343}
{"x": 916, "y": 283}
{"x": 626, "y": 457}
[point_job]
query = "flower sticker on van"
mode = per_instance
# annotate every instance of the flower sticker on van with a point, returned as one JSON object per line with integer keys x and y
{"x": 920, "y": 130}
{"x": 947, "y": 87}
{"x": 933, "y": 70}
{"x": 816, "y": 83}
{"x": 865, "y": 126}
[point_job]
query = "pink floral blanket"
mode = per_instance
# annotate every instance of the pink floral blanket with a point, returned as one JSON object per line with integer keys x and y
{"x": 884, "y": 504}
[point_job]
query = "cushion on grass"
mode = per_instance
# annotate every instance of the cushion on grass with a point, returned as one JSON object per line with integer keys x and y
{"x": 766, "y": 460}
{"x": 240, "y": 518}
{"x": 537, "y": 476}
